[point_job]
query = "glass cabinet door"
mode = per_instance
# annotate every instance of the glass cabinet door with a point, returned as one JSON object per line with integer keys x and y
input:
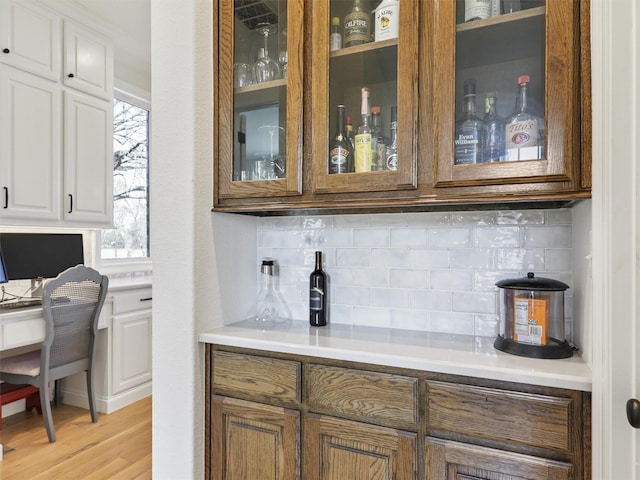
{"x": 259, "y": 124}
{"x": 505, "y": 99}
{"x": 364, "y": 48}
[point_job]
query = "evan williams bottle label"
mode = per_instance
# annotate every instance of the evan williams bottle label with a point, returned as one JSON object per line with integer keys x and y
{"x": 356, "y": 28}
{"x": 467, "y": 147}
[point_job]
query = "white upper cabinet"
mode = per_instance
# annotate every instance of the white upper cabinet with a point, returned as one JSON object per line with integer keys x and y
{"x": 30, "y": 166}
{"x": 88, "y": 61}
{"x": 30, "y": 38}
{"x": 88, "y": 164}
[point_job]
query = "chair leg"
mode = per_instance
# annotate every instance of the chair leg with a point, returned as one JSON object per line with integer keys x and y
{"x": 45, "y": 404}
{"x": 91, "y": 395}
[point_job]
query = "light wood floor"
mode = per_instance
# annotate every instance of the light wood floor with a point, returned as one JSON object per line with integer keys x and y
{"x": 118, "y": 446}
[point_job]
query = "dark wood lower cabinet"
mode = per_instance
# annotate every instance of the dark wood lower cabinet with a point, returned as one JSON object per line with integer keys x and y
{"x": 279, "y": 416}
{"x": 459, "y": 461}
{"x": 254, "y": 441}
{"x": 338, "y": 449}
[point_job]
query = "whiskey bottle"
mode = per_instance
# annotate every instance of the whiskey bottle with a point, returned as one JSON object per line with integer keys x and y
{"x": 392, "y": 149}
{"x": 357, "y": 25}
{"x": 495, "y": 130}
{"x": 471, "y": 131}
{"x": 340, "y": 150}
{"x": 524, "y": 131}
{"x": 363, "y": 141}
{"x": 318, "y": 295}
{"x": 335, "y": 38}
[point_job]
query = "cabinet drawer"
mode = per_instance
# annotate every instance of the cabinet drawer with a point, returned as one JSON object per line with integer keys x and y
{"x": 528, "y": 419}
{"x": 362, "y": 394}
{"x": 269, "y": 378}
{"x": 131, "y": 301}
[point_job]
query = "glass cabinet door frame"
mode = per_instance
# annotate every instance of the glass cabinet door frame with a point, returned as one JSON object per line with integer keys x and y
{"x": 562, "y": 115}
{"x": 405, "y": 177}
{"x": 227, "y": 186}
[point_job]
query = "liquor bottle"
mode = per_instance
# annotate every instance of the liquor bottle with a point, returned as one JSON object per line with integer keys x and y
{"x": 386, "y": 20}
{"x": 348, "y": 128}
{"x": 318, "y": 295}
{"x": 524, "y": 130}
{"x": 495, "y": 130}
{"x": 335, "y": 39}
{"x": 271, "y": 307}
{"x": 379, "y": 141}
{"x": 340, "y": 150}
{"x": 471, "y": 131}
{"x": 476, "y": 10}
{"x": 363, "y": 154}
{"x": 357, "y": 25}
{"x": 392, "y": 149}
{"x": 496, "y": 8}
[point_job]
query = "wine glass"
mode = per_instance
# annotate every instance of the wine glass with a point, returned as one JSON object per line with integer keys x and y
{"x": 266, "y": 69}
{"x": 276, "y": 168}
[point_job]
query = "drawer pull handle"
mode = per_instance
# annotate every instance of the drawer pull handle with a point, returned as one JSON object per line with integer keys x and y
{"x": 146, "y": 299}
{"x": 6, "y": 50}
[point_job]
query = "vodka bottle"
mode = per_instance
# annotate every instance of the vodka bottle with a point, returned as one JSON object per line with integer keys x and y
{"x": 392, "y": 149}
{"x": 357, "y": 25}
{"x": 495, "y": 130}
{"x": 471, "y": 131}
{"x": 318, "y": 295}
{"x": 363, "y": 141}
{"x": 524, "y": 131}
{"x": 340, "y": 150}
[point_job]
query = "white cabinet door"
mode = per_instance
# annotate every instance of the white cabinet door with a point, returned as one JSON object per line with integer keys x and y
{"x": 88, "y": 160}
{"x": 30, "y": 38}
{"x": 30, "y": 150}
{"x": 88, "y": 61}
{"x": 131, "y": 350}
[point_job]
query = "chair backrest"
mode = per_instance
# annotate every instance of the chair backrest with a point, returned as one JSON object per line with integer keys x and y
{"x": 72, "y": 303}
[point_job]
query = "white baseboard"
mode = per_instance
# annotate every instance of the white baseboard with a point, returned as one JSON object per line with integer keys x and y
{"x": 104, "y": 404}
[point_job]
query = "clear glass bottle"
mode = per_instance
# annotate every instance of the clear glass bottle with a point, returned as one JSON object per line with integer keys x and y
{"x": 363, "y": 157}
{"x": 270, "y": 306}
{"x": 357, "y": 25}
{"x": 335, "y": 39}
{"x": 392, "y": 149}
{"x": 524, "y": 130}
{"x": 495, "y": 130}
{"x": 471, "y": 131}
{"x": 340, "y": 150}
{"x": 378, "y": 140}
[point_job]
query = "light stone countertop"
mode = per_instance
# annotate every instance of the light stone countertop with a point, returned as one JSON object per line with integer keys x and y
{"x": 433, "y": 352}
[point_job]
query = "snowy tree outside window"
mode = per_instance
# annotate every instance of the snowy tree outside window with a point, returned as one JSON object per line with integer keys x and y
{"x": 130, "y": 237}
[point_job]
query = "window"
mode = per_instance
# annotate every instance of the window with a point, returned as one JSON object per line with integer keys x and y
{"x": 130, "y": 237}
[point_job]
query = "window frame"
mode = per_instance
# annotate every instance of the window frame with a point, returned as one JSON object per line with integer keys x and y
{"x": 139, "y": 264}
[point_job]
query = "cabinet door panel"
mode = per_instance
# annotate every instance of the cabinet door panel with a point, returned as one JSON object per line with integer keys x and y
{"x": 88, "y": 151}
{"x": 452, "y": 460}
{"x": 29, "y": 146}
{"x": 474, "y": 51}
{"x": 132, "y": 351}
{"x": 251, "y": 440}
{"x": 30, "y": 38}
{"x": 337, "y": 449}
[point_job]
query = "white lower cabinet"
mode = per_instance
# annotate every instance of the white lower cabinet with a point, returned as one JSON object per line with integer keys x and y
{"x": 123, "y": 357}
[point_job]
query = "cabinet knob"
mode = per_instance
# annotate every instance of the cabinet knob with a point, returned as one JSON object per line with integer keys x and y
{"x": 633, "y": 412}
{"x": 6, "y": 50}
{"x": 71, "y": 75}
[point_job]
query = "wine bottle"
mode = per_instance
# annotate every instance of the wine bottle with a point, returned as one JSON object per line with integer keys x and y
{"x": 357, "y": 25}
{"x": 363, "y": 142}
{"x": 317, "y": 295}
{"x": 340, "y": 150}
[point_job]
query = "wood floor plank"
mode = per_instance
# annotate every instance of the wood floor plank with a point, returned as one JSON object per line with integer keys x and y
{"x": 117, "y": 446}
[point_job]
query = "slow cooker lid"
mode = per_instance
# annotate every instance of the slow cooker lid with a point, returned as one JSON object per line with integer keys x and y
{"x": 530, "y": 282}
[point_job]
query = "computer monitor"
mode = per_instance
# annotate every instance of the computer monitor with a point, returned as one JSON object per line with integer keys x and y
{"x": 3, "y": 270}
{"x": 29, "y": 256}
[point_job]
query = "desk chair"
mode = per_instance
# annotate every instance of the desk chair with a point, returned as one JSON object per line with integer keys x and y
{"x": 71, "y": 303}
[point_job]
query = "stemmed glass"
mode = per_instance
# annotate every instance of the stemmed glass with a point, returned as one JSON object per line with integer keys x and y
{"x": 276, "y": 165}
{"x": 265, "y": 68}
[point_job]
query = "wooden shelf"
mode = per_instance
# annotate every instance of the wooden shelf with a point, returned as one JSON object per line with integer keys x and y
{"x": 500, "y": 19}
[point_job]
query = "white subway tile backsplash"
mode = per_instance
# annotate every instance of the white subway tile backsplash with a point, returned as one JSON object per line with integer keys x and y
{"x": 432, "y": 271}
